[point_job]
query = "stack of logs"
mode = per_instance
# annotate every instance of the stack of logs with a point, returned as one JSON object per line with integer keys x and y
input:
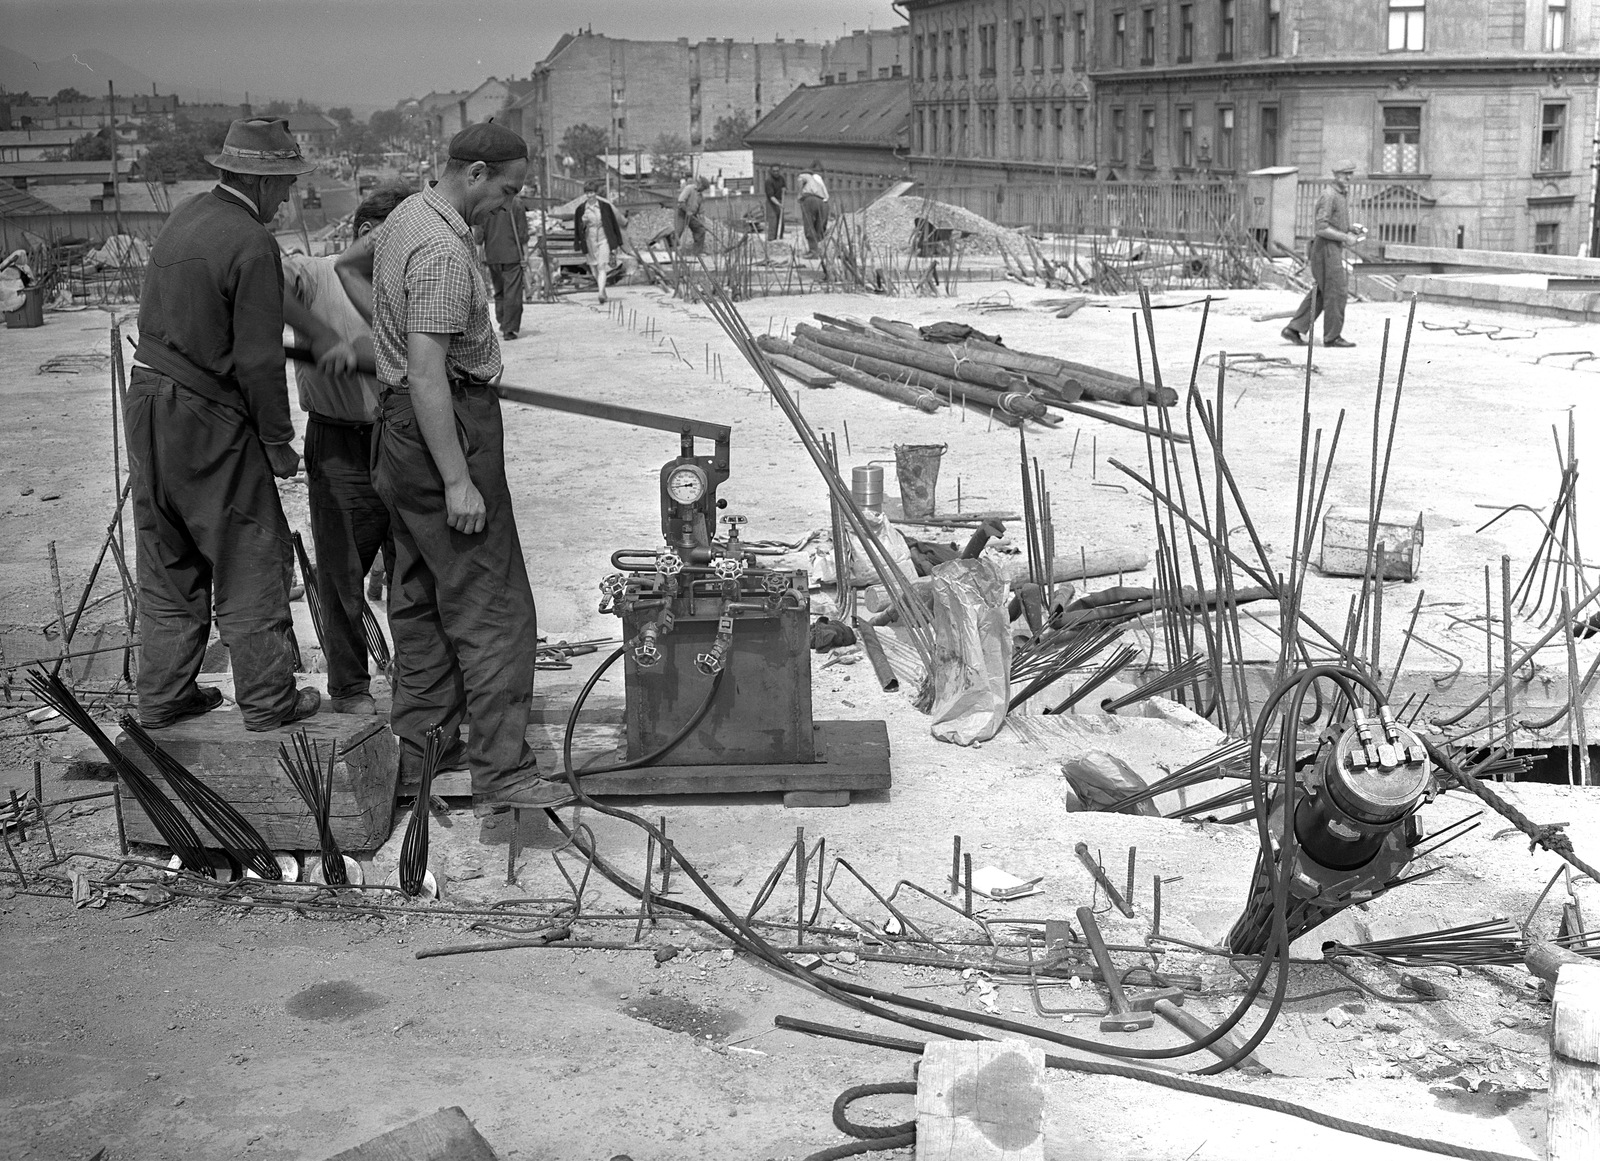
{"x": 893, "y": 360}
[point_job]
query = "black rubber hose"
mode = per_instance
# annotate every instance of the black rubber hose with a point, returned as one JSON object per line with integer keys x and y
{"x": 634, "y": 763}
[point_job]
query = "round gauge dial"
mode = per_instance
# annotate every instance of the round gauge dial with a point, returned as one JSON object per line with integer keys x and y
{"x": 686, "y": 485}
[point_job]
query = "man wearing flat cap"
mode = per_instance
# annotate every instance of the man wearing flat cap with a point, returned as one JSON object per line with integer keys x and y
{"x": 1332, "y": 282}
{"x": 208, "y": 429}
{"x": 460, "y": 607}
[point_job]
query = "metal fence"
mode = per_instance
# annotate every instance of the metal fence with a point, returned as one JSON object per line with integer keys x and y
{"x": 1393, "y": 209}
{"x": 1180, "y": 211}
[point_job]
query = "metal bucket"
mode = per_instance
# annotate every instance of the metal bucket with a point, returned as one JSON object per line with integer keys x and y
{"x": 866, "y": 486}
{"x": 917, "y": 466}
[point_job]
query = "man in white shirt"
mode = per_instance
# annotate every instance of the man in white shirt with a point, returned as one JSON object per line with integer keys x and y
{"x": 813, "y": 208}
{"x": 349, "y": 522}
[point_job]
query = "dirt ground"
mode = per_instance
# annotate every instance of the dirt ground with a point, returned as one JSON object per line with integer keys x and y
{"x": 202, "y": 1030}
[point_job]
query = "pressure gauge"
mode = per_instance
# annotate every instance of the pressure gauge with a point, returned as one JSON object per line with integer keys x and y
{"x": 686, "y": 484}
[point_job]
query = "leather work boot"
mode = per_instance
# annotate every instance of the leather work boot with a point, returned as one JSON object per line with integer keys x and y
{"x": 1339, "y": 342}
{"x": 201, "y": 699}
{"x": 307, "y": 702}
{"x": 536, "y": 794}
{"x": 1293, "y": 336}
{"x": 360, "y": 703}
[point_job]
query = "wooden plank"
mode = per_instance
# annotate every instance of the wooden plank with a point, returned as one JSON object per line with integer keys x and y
{"x": 980, "y": 1100}
{"x": 446, "y": 1135}
{"x": 805, "y": 375}
{"x": 243, "y": 768}
{"x": 1573, "y": 1111}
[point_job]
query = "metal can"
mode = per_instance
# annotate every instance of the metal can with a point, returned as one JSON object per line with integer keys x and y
{"x": 866, "y": 486}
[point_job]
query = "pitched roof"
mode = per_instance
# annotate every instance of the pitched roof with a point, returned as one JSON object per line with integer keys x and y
{"x": 312, "y": 123}
{"x": 136, "y": 196}
{"x": 15, "y": 202}
{"x": 85, "y": 169}
{"x": 48, "y": 138}
{"x": 862, "y": 113}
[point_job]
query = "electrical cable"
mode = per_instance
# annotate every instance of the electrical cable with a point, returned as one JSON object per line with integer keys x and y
{"x": 242, "y": 842}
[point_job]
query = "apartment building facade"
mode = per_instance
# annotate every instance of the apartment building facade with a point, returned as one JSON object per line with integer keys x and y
{"x": 1472, "y": 122}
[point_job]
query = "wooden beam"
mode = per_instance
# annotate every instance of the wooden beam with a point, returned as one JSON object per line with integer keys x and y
{"x": 1573, "y": 1114}
{"x": 446, "y": 1135}
{"x": 980, "y": 1100}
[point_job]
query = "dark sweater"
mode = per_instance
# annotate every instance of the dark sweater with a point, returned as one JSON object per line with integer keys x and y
{"x": 211, "y": 315}
{"x": 504, "y": 233}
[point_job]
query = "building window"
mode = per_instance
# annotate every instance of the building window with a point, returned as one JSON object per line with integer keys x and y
{"x": 964, "y": 128}
{"x": 1080, "y": 132}
{"x": 1224, "y": 137}
{"x": 1147, "y": 137}
{"x": 1119, "y": 136}
{"x": 1555, "y": 28}
{"x": 933, "y": 56}
{"x": 916, "y": 59}
{"x": 1185, "y": 33}
{"x": 1147, "y": 37}
{"x": 1119, "y": 39}
{"x": 1552, "y": 139}
{"x": 1186, "y": 138}
{"x": 1058, "y": 42}
{"x": 961, "y": 39}
{"x": 1269, "y": 135}
{"x": 1038, "y": 132}
{"x": 1080, "y": 38}
{"x": 1019, "y": 30}
{"x": 1038, "y": 44}
{"x": 1272, "y": 34}
{"x": 1019, "y": 130}
{"x": 1402, "y": 139}
{"x": 949, "y": 55}
{"x": 1058, "y": 132}
{"x": 1547, "y": 237}
{"x": 895, "y": 71}
{"x": 989, "y": 124}
{"x": 989, "y": 48}
{"x": 1225, "y": 31}
{"x": 1406, "y": 20}
{"x": 949, "y": 132}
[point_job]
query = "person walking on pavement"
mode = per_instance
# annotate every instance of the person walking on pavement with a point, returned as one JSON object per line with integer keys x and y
{"x": 460, "y": 607}
{"x": 349, "y": 520}
{"x": 504, "y": 234}
{"x": 208, "y": 428}
{"x": 690, "y": 216}
{"x": 775, "y": 186}
{"x": 813, "y": 208}
{"x": 1331, "y": 288}
{"x": 598, "y": 226}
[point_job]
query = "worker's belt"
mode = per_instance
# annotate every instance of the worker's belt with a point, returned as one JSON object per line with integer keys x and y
{"x": 164, "y": 360}
{"x": 328, "y": 420}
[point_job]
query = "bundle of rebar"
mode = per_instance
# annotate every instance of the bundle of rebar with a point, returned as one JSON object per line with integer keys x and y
{"x": 1169, "y": 679}
{"x": 233, "y": 832}
{"x": 414, "y": 846}
{"x": 1109, "y": 668}
{"x": 1222, "y": 762}
{"x": 168, "y": 820}
{"x": 377, "y": 644}
{"x": 1495, "y": 941}
{"x": 1043, "y": 662}
{"x": 314, "y": 782}
{"x": 913, "y": 615}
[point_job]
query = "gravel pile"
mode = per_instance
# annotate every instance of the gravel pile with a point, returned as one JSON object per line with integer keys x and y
{"x": 891, "y": 223}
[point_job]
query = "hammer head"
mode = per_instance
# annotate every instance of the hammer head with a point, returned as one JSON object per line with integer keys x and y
{"x": 1126, "y": 1021}
{"x": 1146, "y": 1001}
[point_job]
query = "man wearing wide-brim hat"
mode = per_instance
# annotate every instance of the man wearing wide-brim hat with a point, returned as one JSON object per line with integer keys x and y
{"x": 208, "y": 428}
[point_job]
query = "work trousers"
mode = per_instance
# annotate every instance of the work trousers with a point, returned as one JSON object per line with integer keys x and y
{"x": 814, "y": 218}
{"x": 506, "y": 278}
{"x": 696, "y": 227}
{"x": 349, "y": 527}
{"x": 1328, "y": 295}
{"x": 210, "y": 533}
{"x": 461, "y": 611}
{"x": 774, "y": 222}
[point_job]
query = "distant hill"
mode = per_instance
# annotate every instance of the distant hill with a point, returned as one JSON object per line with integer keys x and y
{"x": 87, "y": 71}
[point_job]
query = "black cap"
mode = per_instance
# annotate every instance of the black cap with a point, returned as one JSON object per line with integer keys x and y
{"x": 487, "y": 142}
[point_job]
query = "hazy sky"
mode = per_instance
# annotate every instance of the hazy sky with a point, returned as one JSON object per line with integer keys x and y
{"x": 377, "y": 51}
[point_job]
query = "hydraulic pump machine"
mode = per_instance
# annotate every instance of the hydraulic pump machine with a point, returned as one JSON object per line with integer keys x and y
{"x": 699, "y": 609}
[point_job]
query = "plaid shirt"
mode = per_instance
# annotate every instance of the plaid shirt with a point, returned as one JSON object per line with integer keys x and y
{"x": 425, "y": 279}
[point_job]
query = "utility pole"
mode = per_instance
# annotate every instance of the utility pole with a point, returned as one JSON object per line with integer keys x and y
{"x": 116, "y": 190}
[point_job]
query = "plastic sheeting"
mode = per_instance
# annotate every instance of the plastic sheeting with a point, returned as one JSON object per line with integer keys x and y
{"x": 972, "y": 651}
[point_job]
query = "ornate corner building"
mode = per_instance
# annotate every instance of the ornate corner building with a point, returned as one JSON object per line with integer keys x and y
{"x": 1472, "y": 122}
